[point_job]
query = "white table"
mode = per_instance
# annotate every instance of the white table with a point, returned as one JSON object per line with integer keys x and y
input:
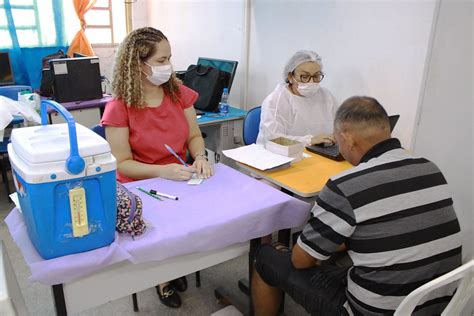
{"x": 209, "y": 224}
{"x": 123, "y": 279}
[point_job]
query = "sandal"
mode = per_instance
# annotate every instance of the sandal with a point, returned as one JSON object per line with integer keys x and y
{"x": 168, "y": 296}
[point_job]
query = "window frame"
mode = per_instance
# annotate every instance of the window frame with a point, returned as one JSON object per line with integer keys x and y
{"x": 108, "y": 26}
{"x": 36, "y": 27}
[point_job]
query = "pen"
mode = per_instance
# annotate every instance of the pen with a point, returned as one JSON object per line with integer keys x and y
{"x": 149, "y": 193}
{"x": 176, "y": 155}
{"x": 164, "y": 195}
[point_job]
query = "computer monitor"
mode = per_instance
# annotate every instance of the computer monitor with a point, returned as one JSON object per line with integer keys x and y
{"x": 78, "y": 55}
{"x": 6, "y": 73}
{"x": 229, "y": 66}
{"x": 76, "y": 79}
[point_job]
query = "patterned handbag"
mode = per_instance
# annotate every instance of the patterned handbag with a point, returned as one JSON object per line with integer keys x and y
{"x": 129, "y": 212}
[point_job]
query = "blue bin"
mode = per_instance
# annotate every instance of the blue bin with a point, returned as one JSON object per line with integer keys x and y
{"x": 51, "y": 164}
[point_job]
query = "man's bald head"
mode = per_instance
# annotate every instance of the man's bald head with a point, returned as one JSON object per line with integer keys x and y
{"x": 360, "y": 123}
{"x": 363, "y": 115}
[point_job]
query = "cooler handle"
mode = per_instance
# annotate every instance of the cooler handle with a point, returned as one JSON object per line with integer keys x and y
{"x": 74, "y": 164}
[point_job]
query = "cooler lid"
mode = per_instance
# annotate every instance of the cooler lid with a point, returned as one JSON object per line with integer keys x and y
{"x": 48, "y": 143}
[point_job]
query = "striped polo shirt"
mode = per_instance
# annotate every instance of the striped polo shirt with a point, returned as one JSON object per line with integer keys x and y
{"x": 395, "y": 214}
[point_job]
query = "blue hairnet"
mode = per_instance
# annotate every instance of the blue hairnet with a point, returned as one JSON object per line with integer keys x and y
{"x": 298, "y": 58}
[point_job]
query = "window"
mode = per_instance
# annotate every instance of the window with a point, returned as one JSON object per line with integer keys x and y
{"x": 31, "y": 31}
{"x": 106, "y": 22}
{"x": 40, "y": 23}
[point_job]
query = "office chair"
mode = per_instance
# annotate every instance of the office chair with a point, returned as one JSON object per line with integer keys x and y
{"x": 465, "y": 273}
{"x": 99, "y": 130}
{"x": 12, "y": 93}
{"x": 251, "y": 125}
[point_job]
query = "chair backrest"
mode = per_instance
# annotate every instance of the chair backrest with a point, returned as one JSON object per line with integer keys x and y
{"x": 12, "y": 91}
{"x": 99, "y": 129}
{"x": 251, "y": 125}
{"x": 459, "y": 300}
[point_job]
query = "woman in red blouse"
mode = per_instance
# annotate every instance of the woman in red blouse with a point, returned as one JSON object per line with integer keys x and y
{"x": 152, "y": 108}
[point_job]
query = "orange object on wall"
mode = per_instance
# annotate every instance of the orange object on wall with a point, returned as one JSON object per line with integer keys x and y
{"x": 80, "y": 43}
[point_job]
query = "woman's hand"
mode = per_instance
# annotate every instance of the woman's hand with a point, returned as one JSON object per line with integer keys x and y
{"x": 203, "y": 168}
{"x": 176, "y": 171}
{"x": 322, "y": 139}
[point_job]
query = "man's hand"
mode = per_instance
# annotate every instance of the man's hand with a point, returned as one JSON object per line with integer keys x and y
{"x": 322, "y": 139}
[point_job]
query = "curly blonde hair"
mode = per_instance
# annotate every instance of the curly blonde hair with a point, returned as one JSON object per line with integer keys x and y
{"x": 138, "y": 46}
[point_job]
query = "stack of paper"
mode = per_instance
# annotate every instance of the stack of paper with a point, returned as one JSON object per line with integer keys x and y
{"x": 257, "y": 156}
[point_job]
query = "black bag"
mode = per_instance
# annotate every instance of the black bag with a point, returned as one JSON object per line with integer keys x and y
{"x": 209, "y": 82}
{"x": 46, "y": 88}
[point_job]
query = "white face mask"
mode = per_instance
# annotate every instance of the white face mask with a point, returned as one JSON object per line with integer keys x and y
{"x": 308, "y": 89}
{"x": 159, "y": 74}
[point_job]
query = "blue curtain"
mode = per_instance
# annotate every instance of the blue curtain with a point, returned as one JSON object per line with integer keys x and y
{"x": 26, "y": 62}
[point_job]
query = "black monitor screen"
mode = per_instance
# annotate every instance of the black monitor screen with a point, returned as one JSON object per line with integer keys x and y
{"x": 6, "y": 74}
{"x": 229, "y": 66}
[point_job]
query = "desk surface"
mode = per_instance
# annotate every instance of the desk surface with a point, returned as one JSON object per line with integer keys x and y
{"x": 79, "y": 105}
{"x": 210, "y": 118}
{"x": 306, "y": 177}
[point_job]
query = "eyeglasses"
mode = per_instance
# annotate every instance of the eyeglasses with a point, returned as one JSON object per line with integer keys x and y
{"x": 305, "y": 78}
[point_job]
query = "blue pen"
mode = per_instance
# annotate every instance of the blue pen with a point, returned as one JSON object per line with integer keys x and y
{"x": 176, "y": 155}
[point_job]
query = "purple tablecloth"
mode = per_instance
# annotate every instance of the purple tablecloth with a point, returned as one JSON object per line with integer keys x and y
{"x": 228, "y": 208}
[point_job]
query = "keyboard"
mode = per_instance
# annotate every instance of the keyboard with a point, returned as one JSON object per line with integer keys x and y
{"x": 331, "y": 152}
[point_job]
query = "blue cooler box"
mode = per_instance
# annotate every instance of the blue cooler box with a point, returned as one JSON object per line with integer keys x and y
{"x": 65, "y": 180}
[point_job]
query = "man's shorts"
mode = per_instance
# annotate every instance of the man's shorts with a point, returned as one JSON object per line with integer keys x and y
{"x": 320, "y": 290}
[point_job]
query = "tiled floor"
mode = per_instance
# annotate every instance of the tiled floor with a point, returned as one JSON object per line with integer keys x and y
{"x": 196, "y": 301}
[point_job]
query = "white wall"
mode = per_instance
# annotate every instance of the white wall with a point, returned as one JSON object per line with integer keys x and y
{"x": 202, "y": 28}
{"x": 374, "y": 48}
{"x": 444, "y": 134}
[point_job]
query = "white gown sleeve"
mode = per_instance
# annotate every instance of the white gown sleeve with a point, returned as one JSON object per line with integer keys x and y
{"x": 276, "y": 119}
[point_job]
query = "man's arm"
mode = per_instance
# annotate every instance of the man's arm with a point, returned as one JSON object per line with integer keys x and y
{"x": 303, "y": 260}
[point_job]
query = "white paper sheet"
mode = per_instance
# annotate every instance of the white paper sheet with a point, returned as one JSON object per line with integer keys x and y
{"x": 257, "y": 156}
{"x": 14, "y": 197}
{"x": 9, "y": 107}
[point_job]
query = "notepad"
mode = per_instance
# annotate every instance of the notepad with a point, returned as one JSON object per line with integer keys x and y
{"x": 195, "y": 180}
{"x": 258, "y": 157}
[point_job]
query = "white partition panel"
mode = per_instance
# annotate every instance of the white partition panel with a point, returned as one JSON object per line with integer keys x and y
{"x": 444, "y": 133}
{"x": 374, "y": 48}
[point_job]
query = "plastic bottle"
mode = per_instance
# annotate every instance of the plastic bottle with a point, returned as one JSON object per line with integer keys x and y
{"x": 223, "y": 105}
{"x": 33, "y": 99}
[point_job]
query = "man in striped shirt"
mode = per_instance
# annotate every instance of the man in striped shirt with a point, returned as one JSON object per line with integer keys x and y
{"x": 393, "y": 214}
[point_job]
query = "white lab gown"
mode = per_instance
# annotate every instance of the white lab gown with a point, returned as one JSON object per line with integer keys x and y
{"x": 294, "y": 117}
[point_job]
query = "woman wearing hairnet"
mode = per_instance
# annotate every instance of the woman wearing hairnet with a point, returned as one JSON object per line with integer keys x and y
{"x": 299, "y": 109}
